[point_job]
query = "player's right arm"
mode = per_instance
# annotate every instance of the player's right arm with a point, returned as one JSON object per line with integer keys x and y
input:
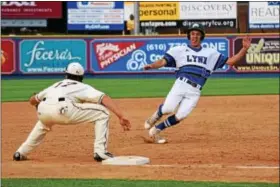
{"x": 155, "y": 65}
{"x": 112, "y": 106}
{"x": 168, "y": 60}
{"x": 92, "y": 95}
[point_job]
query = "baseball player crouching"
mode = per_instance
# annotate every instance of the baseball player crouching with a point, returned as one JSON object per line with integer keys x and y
{"x": 72, "y": 102}
{"x": 194, "y": 66}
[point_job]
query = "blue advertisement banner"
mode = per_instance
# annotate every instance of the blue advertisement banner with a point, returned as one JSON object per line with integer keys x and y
{"x": 87, "y": 15}
{"x": 129, "y": 55}
{"x": 50, "y": 55}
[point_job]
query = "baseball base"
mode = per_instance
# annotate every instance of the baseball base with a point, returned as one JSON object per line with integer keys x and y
{"x": 126, "y": 160}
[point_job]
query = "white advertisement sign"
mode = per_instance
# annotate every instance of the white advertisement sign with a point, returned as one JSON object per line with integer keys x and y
{"x": 264, "y": 14}
{"x": 208, "y": 10}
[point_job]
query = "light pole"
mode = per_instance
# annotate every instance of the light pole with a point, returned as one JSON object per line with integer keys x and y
{"x": 136, "y": 18}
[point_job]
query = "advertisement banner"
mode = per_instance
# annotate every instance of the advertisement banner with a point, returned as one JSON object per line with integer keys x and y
{"x": 262, "y": 56}
{"x": 7, "y": 56}
{"x": 24, "y": 23}
{"x": 169, "y": 24}
{"x": 209, "y": 14}
{"x": 149, "y": 11}
{"x": 129, "y": 55}
{"x": 221, "y": 23}
{"x": 264, "y": 15}
{"x": 159, "y": 14}
{"x": 87, "y": 15}
{"x": 31, "y": 9}
{"x": 39, "y": 56}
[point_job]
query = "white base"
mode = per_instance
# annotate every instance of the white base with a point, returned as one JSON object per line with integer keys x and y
{"x": 126, "y": 160}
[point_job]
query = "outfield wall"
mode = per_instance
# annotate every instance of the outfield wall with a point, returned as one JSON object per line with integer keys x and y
{"x": 122, "y": 55}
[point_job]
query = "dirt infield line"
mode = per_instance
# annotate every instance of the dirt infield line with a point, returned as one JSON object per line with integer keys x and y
{"x": 213, "y": 166}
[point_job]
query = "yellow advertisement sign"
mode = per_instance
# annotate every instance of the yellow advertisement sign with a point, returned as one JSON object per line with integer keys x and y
{"x": 149, "y": 11}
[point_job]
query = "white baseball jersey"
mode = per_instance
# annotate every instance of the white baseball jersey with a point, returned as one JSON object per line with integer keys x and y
{"x": 75, "y": 91}
{"x": 69, "y": 102}
{"x": 196, "y": 64}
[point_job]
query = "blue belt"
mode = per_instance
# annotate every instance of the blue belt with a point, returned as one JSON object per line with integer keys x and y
{"x": 193, "y": 84}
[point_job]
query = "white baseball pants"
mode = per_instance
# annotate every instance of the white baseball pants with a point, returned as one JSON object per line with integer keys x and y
{"x": 51, "y": 112}
{"x": 182, "y": 95}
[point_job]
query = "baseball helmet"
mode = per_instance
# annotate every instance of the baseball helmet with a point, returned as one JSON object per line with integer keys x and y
{"x": 75, "y": 68}
{"x": 196, "y": 27}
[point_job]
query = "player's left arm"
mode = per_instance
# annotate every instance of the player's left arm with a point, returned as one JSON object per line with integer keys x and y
{"x": 33, "y": 100}
{"x": 36, "y": 98}
{"x": 246, "y": 42}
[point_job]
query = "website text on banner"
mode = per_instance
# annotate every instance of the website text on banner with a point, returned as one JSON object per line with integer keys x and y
{"x": 262, "y": 56}
{"x": 86, "y": 15}
{"x": 129, "y": 55}
{"x": 31, "y": 9}
{"x": 7, "y": 56}
{"x": 43, "y": 56}
{"x": 183, "y": 14}
{"x": 209, "y": 14}
{"x": 264, "y": 15}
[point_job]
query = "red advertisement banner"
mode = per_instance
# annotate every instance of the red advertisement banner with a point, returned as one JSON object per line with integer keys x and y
{"x": 7, "y": 56}
{"x": 110, "y": 52}
{"x": 31, "y": 9}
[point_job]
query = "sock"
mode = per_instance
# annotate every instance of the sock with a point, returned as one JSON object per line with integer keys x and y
{"x": 170, "y": 121}
{"x": 159, "y": 113}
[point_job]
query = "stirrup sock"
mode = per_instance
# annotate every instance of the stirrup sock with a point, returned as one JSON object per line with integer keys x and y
{"x": 170, "y": 121}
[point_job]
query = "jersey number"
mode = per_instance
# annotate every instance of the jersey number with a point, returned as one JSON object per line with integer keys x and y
{"x": 65, "y": 84}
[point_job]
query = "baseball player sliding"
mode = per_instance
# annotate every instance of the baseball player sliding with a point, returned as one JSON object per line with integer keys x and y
{"x": 72, "y": 102}
{"x": 194, "y": 66}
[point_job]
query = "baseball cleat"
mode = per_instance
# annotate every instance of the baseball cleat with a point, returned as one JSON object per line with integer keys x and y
{"x": 18, "y": 157}
{"x": 154, "y": 135}
{"x": 151, "y": 121}
{"x": 147, "y": 125}
{"x": 102, "y": 156}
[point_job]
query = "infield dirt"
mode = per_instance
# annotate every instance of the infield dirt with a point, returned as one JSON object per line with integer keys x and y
{"x": 229, "y": 138}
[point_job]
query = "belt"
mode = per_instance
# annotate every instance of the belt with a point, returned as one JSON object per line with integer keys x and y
{"x": 193, "y": 84}
{"x": 59, "y": 99}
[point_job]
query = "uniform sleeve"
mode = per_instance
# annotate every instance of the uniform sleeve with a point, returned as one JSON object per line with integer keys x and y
{"x": 92, "y": 95}
{"x": 170, "y": 57}
{"x": 220, "y": 60}
{"x": 41, "y": 95}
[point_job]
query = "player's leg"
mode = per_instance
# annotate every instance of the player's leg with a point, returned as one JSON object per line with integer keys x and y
{"x": 185, "y": 107}
{"x": 101, "y": 139}
{"x": 172, "y": 100}
{"x": 34, "y": 139}
{"x": 87, "y": 112}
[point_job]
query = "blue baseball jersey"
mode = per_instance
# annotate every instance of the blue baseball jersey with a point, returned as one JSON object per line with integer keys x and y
{"x": 195, "y": 64}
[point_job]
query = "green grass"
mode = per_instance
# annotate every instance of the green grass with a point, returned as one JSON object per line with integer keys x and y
{"x": 20, "y": 90}
{"x": 121, "y": 183}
